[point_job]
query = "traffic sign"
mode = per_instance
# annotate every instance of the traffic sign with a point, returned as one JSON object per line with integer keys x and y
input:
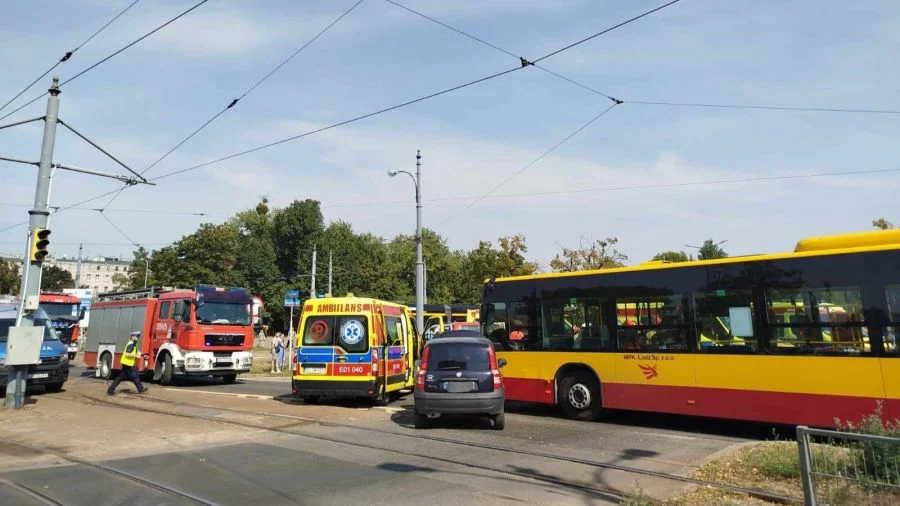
{"x": 292, "y": 294}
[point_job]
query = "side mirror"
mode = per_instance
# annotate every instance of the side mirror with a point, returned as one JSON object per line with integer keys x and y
{"x": 501, "y": 363}
{"x": 418, "y": 364}
{"x": 81, "y": 313}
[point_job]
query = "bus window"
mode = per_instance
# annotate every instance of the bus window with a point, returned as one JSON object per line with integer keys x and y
{"x": 651, "y": 323}
{"x": 573, "y": 324}
{"x": 494, "y": 325}
{"x": 714, "y": 310}
{"x": 521, "y": 333}
{"x": 817, "y": 321}
{"x": 892, "y": 334}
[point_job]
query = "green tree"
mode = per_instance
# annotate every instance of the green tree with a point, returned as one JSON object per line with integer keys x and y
{"x": 882, "y": 224}
{"x": 257, "y": 261}
{"x": 600, "y": 254}
{"x": 296, "y": 228}
{"x": 54, "y": 279}
{"x": 485, "y": 261}
{"x": 711, "y": 250}
{"x": 673, "y": 256}
{"x": 442, "y": 267}
{"x": 9, "y": 277}
{"x": 207, "y": 256}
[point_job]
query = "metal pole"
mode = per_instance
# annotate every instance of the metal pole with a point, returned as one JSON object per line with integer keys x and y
{"x": 420, "y": 266}
{"x": 329, "y": 273}
{"x": 146, "y": 270}
{"x": 312, "y": 283}
{"x": 425, "y": 282}
{"x": 38, "y": 218}
{"x": 78, "y": 269}
{"x": 809, "y": 484}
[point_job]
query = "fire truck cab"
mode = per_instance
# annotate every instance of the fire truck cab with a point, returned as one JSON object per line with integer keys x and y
{"x": 206, "y": 331}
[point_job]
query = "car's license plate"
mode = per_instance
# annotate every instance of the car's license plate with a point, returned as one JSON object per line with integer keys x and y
{"x": 223, "y": 359}
{"x": 313, "y": 370}
{"x": 459, "y": 386}
{"x": 39, "y": 375}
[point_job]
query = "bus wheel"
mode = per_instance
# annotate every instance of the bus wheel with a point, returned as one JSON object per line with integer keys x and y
{"x": 579, "y": 396}
{"x": 167, "y": 376}
{"x": 228, "y": 379}
{"x": 105, "y": 366}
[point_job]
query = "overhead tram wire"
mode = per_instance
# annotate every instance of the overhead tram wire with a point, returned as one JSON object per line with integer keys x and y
{"x": 526, "y": 167}
{"x": 108, "y": 57}
{"x": 239, "y": 98}
{"x": 644, "y": 102}
{"x": 523, "y": 64}
{"x": 498, "y": 48}
{"x": 69, "y": 55}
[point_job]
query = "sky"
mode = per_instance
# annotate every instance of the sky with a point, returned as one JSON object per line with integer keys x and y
{"x": 622, "y": 176}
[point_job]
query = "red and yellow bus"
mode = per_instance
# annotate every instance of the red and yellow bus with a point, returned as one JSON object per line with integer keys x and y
{"x": 804, "y": 337}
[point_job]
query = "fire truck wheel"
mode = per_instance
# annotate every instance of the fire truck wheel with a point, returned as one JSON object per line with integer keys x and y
{"x": 105, "y": 366}
{"x": 228, "y": 379}
{"x": 167, "y": 377}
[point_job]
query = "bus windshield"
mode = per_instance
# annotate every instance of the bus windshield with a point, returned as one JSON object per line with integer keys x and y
{"x": 223, "y": 313}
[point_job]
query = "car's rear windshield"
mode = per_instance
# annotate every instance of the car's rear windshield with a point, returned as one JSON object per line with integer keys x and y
{"x": 458, "y": 356}
{"x": 348, "y": 332}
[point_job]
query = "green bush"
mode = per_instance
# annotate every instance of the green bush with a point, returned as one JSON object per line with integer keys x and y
{"x": 878, "y": 462}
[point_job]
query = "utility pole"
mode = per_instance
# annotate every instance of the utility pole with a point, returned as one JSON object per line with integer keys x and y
{"x": 39, "y": 215}
{"x": 420, "y": 266}
{"x": 329, "y": 273}
{"x": 78, "y": 268}
{"x": 425, "y": 290}
{"x": 312, "y": 282}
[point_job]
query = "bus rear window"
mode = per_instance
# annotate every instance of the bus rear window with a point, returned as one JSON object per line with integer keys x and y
{"x": 347, "y": 332}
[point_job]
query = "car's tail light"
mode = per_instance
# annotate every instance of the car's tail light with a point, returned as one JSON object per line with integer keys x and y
{"x": 495, "y": 369}
{"x": 420, "y": 376}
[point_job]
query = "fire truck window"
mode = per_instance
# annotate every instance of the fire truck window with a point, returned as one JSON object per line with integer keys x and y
{"x": 164, "y": 310}
{"x": 179, "y": 310}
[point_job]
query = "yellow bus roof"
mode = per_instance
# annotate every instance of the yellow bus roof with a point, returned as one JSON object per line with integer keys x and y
{"x": 875, "y": 240}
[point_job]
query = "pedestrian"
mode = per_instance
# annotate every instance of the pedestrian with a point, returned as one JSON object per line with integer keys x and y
{"x": 129, "y": 357}
{"x": 277, "y": 353}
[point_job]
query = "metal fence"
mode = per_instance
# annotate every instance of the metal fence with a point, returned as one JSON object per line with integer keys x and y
{"x": 848, "y": 468}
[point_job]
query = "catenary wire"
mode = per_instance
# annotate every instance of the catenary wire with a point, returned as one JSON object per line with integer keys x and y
{"x": 523, "y": 64}
{"x": 234, "y": 101}
{"x": 767, "y": 107}
{"x": 107, "y": 58}
{"x": 69, "y": 54}
{"x": 527, "y": 166}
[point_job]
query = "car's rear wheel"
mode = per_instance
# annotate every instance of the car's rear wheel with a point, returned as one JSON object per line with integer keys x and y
{"x": 421, "y": 421}
{"x": 498, "y": 421}
{"x": 579, "y": 396}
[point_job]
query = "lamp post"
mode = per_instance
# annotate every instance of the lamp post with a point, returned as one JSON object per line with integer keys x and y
{"x": 420, "y": 266}
{"x": 146, "y": 270}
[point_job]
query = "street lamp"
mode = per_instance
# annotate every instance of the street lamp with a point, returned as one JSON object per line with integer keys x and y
{"x": 420, "y": 266}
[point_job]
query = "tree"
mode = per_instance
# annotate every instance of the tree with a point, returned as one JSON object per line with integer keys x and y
{"x": 54, "y": 279}
{"x": 485, "y": 261}
{"x": 600, "y": 254}
{"x": 296, "y": 228}
{"x": 673, "y": 256}
{"x": 9, "y": 277}
{"x": 442, "y": 267}
{"x": 882, "y": 224}
{"x": 711, "y": 250}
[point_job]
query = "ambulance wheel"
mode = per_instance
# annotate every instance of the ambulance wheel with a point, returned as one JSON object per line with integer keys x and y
{"x": 168, "y": 374}
{"x": 53, "y": 388}
{"x": 105, "y": 366}
{"x": 421, "y": 421}
{"x": 228, "y": 379}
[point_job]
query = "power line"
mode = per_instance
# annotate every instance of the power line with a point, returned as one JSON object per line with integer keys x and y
{"x": 103, "y": 60}
{"x": 523, "y": 64}
{"x": 526, "y": 167}
{"x": 119, "y": 230}
{"x": 594, "y": 36}
{"x": 68, "y": 55}
{"x": 498, "y": 48}
{"x": 766, "y": 107}
{"x": 234, "y": 101}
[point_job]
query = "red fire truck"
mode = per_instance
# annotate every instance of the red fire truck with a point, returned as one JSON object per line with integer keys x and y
{"x": 202, "y": 332}
{"x": 65, "y": 313}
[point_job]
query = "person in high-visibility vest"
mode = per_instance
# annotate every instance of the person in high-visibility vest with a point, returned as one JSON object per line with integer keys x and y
{"x": 129, "y": 358}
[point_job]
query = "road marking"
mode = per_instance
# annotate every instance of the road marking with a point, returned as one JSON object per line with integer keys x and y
{"x": 671, "y": 436}
{"x": 230, "y": 394}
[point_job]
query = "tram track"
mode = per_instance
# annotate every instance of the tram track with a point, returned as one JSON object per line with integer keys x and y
{"x": 297, "y": 420}
{"x": 183, "y": 496}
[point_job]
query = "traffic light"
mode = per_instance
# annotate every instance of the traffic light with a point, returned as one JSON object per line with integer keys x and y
{"x": 40, "y": 239}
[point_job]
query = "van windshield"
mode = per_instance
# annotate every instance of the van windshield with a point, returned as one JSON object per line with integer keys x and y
{"x": 348, "y": 332}
{"x": 7, "y": 323}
